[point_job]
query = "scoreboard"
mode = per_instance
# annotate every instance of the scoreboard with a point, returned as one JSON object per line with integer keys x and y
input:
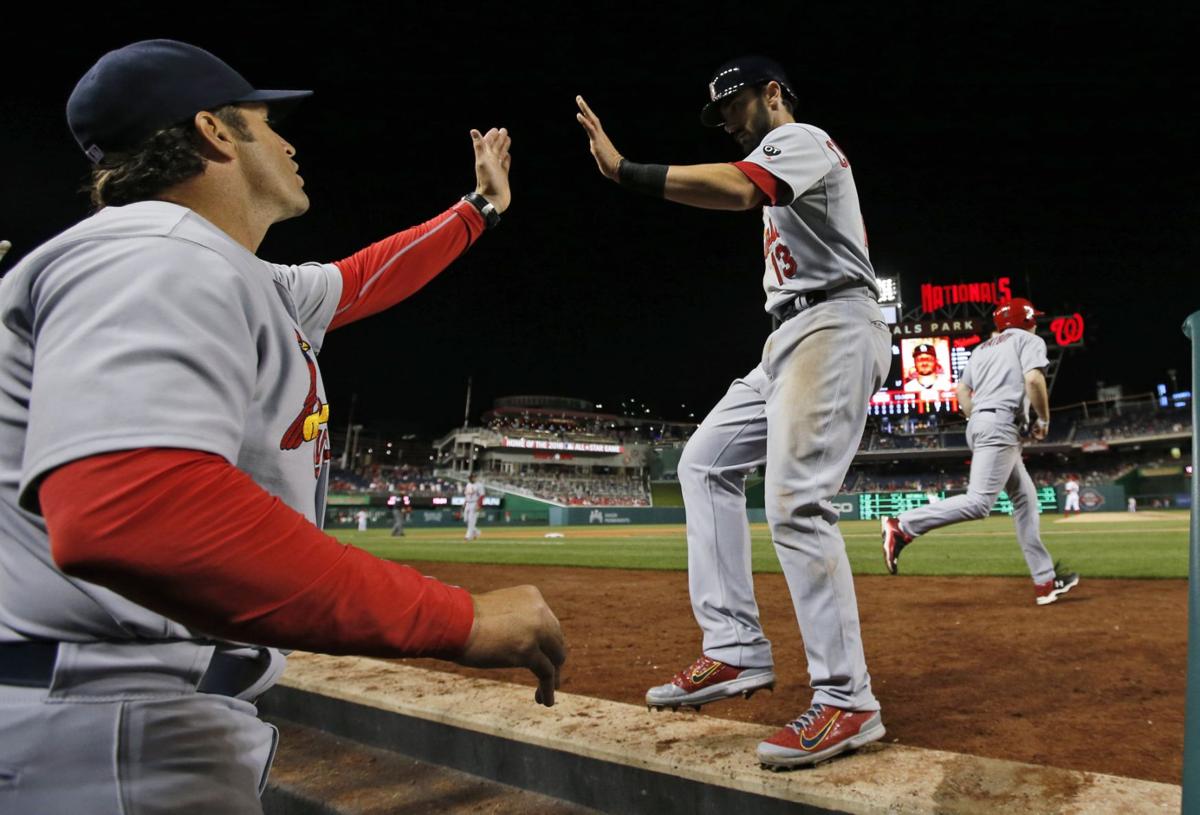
{"x": 875, "y": 505}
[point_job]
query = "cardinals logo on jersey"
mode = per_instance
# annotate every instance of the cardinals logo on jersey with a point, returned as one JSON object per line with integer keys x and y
{"x": 310, "y": 424}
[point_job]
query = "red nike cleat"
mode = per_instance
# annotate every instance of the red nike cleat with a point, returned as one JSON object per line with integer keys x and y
{"x": 894, "y": 540}
{"x": 707, "y": 680}
{"x": 822, "y": 732}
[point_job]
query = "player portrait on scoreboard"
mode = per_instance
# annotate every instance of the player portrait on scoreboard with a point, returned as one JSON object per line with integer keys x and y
{"x": 926, "y": 364}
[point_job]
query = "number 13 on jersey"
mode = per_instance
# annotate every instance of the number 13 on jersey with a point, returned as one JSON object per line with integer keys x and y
{"x": 779, "y": 257}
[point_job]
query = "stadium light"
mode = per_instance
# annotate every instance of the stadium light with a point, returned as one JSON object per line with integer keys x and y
{"x": 889, "y": 290}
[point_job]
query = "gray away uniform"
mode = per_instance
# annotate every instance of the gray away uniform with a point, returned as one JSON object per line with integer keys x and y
{"x": 996, "y": 377}
{"x": 145, "y": 326}
{"x": 801, "y": 410}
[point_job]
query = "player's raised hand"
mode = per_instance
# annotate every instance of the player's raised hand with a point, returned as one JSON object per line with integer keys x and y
{"x": 514, "y": 628}
{"x": 492, "y": 161}
{"x": 607, "y": 157}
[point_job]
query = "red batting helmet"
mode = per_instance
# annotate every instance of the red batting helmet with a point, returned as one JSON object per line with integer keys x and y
{"x": 1016, "y": 313}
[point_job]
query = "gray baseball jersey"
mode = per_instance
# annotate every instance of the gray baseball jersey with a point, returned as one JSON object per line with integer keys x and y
{"x": 813, "y": 237}
{"x": 146, "y": 326}
{"x": 996, "y": 371}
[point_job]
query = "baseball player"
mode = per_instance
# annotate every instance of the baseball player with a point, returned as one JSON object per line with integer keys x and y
{"x": 926, "y": 377}
{"x": 399, "y": 507}
{"x": 1003, "y": 379}
{"x": 794, "y": 411}
{"x": 1071, "y": 503}
{"x": 164, "y": 455}
{"x": 473, "y": 495}
{"x": 361, "y": 515}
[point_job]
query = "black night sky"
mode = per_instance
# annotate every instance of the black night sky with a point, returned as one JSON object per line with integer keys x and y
{"x": 1047, "y": 143}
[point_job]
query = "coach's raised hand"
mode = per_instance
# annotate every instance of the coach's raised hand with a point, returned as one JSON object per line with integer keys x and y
{"x": 514, "y": 628}
{"x": 492, "y": 161}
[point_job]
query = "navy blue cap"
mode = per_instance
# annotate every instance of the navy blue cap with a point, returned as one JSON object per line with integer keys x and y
{"x": 135, "y": 91}
{"x": 743, "y": 72}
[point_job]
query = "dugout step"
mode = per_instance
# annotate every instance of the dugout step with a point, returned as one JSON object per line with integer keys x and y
{"x": 319, "y": 774}
{"x": 617, "y": 757}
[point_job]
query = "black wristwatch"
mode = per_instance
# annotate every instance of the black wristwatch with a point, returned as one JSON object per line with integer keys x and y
{"x": 490, "y": 216}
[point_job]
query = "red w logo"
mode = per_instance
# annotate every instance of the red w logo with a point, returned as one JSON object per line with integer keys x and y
{"x": 1067, "y": 330}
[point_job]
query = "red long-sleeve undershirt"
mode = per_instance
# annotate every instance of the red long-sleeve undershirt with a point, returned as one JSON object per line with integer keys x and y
{"x": 767, "y": 183}
{"x": 189, "y": 536}
{"x": 383, "y": 274}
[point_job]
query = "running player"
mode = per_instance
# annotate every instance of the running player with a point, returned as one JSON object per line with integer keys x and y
{"x": 1003, "y": 379}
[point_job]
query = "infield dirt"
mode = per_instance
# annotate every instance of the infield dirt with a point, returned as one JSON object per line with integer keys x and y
{"x": 1093, "y": 682}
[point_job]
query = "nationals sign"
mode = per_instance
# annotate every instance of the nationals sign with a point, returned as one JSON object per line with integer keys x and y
{"x": 936, "y": 297}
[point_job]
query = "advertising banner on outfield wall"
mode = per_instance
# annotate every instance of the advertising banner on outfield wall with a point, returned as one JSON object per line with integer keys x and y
{"x": 621, "y": 516}
{"x": 1105, "y": 498}
{"x": 382, "y": 518}
{"x": 847, "y": 507}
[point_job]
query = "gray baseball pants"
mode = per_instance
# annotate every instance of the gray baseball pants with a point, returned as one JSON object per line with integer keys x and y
{"x": 122, "y": 731}
{"x": 802, "y": 411}
{"x": 995, "y": 464}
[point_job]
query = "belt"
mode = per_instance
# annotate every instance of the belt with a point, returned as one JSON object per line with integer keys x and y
{"x": 1014, "y": 417}
{"x": 31, "y": 665}
{"x": 805, "y": 301}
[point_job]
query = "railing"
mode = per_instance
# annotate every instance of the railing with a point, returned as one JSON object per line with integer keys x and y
{"x": 1191, "y": 737}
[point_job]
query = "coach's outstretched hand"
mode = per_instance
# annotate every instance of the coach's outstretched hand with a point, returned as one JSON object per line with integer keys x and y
{"x": 514, "y": 628}
{"x": 607, "y": 157}
{"x": 492, "y": 161}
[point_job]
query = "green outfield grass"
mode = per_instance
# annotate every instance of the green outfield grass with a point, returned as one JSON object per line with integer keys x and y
{"x": 1117, "y": 545}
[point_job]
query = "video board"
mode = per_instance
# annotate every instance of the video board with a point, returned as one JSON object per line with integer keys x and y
{"x": 924, "y": 373}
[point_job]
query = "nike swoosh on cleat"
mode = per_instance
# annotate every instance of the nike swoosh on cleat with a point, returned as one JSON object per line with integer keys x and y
{"x": 809, "y": 744}
{"x": 697, "y": 678}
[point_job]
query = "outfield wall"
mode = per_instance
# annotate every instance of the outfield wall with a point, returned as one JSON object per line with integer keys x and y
{"x": 852, "y": 507}
{"x": 518, "y": 510}
{"x": 381, "y": 518}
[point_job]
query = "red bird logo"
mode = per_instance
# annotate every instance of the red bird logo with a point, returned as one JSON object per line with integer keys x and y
{"x": 315, "y": 413}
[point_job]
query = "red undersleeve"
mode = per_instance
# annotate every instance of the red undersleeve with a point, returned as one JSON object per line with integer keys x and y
{"x": 191, "y": 537}
{"x": 383, "y": 274}
{"x": 767, "y": 183}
